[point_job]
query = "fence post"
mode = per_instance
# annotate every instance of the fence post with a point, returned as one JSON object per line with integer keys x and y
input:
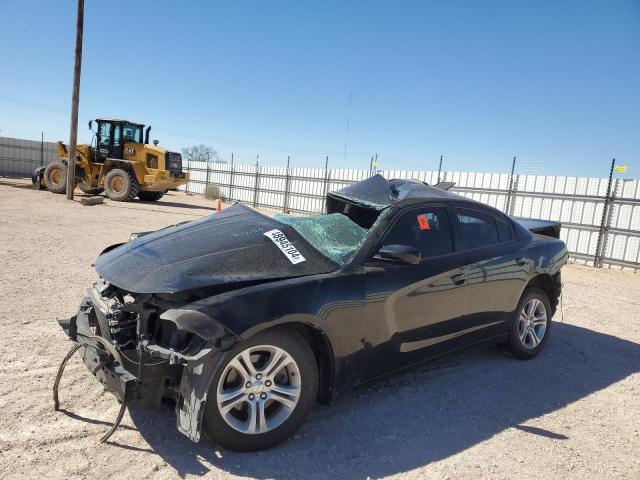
{"x": 510, "y": 191}
{"x": 257, "y": 182}
{"x": 326, "y": 185}
{"x": 206, "y": 180}
{"x": 231, "y": 180}
{"x": 439, "y": 169}
{"x": 606, "y": 219}
{"x": 514, "y": 191}
{"x": 186, "y": 187}
{"x": 42, "y": 149}
{"x": 287, "y": 179}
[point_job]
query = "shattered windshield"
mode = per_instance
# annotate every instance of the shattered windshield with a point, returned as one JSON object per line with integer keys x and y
{"x": 334, "y": 235}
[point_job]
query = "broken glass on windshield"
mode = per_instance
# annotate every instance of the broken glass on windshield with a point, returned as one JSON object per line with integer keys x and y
{"x": 334, "y": 235}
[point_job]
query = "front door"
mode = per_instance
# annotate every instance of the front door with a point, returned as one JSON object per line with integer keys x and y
{"x": 415, "y": 311}
{"x": 109, "y": 142}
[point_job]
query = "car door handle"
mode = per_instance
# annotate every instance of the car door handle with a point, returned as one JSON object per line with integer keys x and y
{"x": 373, "y": 269}
{"x": 459, "y": 279}
{"x": 521, "y": 261}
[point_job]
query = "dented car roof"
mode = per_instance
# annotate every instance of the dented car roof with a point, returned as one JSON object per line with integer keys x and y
{"x": 379, "y": 193}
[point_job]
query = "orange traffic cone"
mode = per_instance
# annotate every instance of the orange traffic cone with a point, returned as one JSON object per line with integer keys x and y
{"x": 218, "y": 206}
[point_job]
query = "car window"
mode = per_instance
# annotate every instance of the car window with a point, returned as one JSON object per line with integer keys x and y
{"x": 477, "y": 229}
{"x": 427, "y": 229}
{"x": 505, "y": 230}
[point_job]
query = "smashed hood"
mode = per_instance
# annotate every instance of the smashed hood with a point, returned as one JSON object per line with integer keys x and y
{"x": 227, "y": 247}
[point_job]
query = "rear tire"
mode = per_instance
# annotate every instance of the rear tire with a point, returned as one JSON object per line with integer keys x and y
{"x": 150, "y": 196}
{"x": 121, "y": 185}
{"x": 279, "y": 388}
{"x": 55, "y": 177}
{"x": 531, "y": 325}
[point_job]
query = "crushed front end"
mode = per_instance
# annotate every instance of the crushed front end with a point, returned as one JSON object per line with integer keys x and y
{"x": 145, "y": 348}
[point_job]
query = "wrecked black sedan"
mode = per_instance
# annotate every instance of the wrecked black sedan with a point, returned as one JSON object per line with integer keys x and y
{"x": 245, "y": 321}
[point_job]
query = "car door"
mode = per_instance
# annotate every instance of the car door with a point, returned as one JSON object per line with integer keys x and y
{"x": 497, "y": 269}
{"x": 414, "y": 310}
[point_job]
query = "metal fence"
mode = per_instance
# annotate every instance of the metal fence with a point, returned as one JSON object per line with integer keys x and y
{"x": 19, "y": 158}
{"x": 600, "y": 225}
{"x": 599, "y": 229}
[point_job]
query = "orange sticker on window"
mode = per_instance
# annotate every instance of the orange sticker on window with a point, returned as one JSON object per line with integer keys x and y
{"x": 423, "y": 222}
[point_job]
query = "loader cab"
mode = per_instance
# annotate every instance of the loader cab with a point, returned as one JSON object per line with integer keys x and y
{"x": 111, "y": 136}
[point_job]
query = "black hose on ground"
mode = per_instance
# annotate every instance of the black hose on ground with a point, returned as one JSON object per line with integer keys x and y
{"x": 116, "y": 424}
{"x": 56, "y": 384}
{"x": 56, "y": 401}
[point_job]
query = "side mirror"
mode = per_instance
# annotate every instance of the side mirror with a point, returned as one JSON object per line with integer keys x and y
{"x": 400, "y": 254}
{"x": 91, "y": 125}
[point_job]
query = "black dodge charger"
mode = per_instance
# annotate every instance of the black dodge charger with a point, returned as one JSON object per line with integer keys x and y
{"x": 245, "y": 320}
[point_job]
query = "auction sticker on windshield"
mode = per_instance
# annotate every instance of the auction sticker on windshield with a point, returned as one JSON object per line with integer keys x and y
{"x": 285, "y": 246}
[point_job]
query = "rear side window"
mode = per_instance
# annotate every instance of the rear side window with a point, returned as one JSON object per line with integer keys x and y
{"x": 477, "y": 229}
{"x": 505, "y": 230}
{"x": 427, "y": 229}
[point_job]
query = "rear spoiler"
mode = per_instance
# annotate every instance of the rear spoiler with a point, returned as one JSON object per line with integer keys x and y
{"x": 548, "y": 228}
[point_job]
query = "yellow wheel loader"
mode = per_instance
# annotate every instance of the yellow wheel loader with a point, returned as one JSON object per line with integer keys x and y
{"x": 117, "y": 162}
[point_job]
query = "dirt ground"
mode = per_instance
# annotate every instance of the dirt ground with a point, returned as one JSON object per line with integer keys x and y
{"x": 573, "y": 412}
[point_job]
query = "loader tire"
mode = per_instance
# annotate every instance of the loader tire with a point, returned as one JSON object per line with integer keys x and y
{"x": 55, "y": 177}
{"x": 120, "y": 185}
{"x": 150, "y": 196}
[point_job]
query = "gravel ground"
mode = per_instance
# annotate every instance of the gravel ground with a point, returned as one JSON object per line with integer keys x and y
{"x": 573, "y": 412}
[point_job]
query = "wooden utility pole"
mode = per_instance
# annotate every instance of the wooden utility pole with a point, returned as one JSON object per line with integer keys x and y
{"x": 75, "y": 98}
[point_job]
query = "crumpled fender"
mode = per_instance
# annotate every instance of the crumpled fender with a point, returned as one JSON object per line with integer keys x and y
{"x": 200, "y": 369}
{"x": 194, "y": 321}
{"x": 194, "y": 389}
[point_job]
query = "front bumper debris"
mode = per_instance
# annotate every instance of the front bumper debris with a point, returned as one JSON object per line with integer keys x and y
{"x": 138, "y": 371}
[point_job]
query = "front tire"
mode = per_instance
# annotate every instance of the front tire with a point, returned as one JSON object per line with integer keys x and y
{"x": 55, "y": 177}
{"x": 121, "y": 185}
{"x": 262, "y": 392}
{"x": 531, "y": 325}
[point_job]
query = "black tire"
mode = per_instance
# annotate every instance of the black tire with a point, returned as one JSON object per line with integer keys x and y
{"x": 150, "y": 196}
{"x": 217, "y": 429}
{"x": 121, "y": 185}
{"x": 525, "y": 349}
{"x": 88, "y": 190}
{"x": 55, "y": 177}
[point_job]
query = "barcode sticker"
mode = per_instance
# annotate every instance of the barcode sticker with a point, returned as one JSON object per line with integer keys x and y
{"x": 281, "y": 241}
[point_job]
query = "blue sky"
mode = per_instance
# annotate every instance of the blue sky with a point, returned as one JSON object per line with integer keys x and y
{"x": 556, "y": 83}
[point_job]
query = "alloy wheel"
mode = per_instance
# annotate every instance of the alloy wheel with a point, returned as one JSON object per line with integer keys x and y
{"x": 258, "y": 389}
{"x": 532, "y": 323}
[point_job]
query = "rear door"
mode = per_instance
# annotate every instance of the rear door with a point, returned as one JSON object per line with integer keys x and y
{"x": 415, "y": 310}
{"x": 497, "y": 268}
